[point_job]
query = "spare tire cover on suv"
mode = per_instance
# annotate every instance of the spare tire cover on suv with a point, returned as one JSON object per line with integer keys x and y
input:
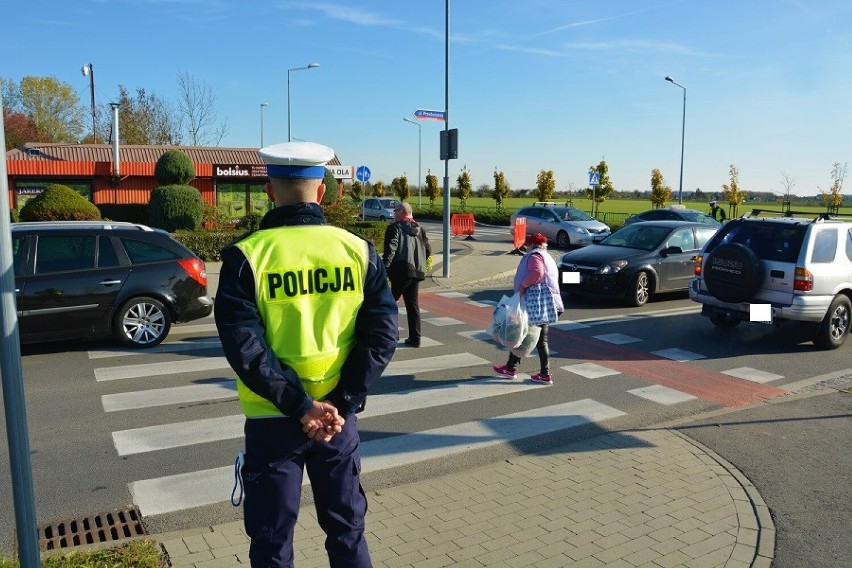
{"x": 732, "y": 272}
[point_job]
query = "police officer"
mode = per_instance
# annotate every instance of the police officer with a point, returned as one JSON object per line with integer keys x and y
{"x": 308, "y": 322}
{"x": 717, "y": 212}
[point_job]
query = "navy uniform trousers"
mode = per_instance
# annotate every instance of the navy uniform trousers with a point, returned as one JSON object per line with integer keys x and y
{"x": 277, "y": 453}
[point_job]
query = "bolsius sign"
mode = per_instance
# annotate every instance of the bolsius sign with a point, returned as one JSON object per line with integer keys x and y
{"x": 239, "y": 170}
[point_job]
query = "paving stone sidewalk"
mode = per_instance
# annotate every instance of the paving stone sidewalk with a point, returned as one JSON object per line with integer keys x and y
{"x": 634, "y": 498}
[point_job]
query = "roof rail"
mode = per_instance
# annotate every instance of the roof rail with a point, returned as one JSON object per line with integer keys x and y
{"x": 85, "y": 224}
{"x": 806, "y": 214}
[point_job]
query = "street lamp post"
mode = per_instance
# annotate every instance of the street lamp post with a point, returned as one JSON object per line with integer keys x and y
{"x": 89, "y": 71}
{"x": 682, "y": 138}
{"x": 309, "y": 66}
{"x": 262, "y": 105}
{"x": 419, "y": 158}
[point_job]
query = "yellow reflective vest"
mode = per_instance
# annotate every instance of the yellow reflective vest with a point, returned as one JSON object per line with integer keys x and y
{"x": 309, "y": 285}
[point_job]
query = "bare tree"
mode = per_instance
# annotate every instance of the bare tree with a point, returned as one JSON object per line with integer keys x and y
{"x": 198, "y": 113}
{"x": 144, "y": 119}
{"x": 787, "y": 181}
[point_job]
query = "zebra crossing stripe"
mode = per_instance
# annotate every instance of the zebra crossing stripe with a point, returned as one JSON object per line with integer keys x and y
{"x": 151, "y": 438}
{"x": 217, "y": 363}
{"x": 176, "y": 347}
{"x": 175, "y": 435}
{"x": 215, "y": 389}
{"x": 165, "y": 368}
{"x": 196, "y": 328}
{"x": 194, "y": 489}
{"x": 437, "y": 363}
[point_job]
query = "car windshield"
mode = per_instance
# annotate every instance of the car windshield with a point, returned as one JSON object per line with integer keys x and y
{"x": 571, "y": 214}
{"x": 642, "y": 237}
{"x": 390, "y": 203}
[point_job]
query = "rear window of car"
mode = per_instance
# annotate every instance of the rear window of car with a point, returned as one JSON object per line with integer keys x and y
{"x": 143, "y": 251}
{"x": 780, "y": 242}
{"x": 64, "y": 253}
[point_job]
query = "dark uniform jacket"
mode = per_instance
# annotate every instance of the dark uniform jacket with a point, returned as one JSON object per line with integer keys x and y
{"x": 242, "y": 333}
{"x": 406, "y": 250}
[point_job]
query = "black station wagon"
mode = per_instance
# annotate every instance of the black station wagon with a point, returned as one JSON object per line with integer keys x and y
{"x": 88, "y": 279}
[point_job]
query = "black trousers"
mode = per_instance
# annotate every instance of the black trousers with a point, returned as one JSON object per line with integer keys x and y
{"x": 409, "y": 289}
{"x": 543, "y": 352}
{"x": 277, "y": 454}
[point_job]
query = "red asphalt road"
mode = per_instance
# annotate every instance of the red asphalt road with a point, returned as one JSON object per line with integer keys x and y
{"x": 705, "y": 384}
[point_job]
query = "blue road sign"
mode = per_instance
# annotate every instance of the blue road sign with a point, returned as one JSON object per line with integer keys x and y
{"x": 363, "y": 174}
{"x": 594, "y": 178}
{"x": 438, "y": 115}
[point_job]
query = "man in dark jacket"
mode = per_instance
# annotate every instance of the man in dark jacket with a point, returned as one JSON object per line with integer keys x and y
{"x": 406, "y": 251}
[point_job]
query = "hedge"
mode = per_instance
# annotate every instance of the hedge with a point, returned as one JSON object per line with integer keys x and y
{"x": 59, "y": 203}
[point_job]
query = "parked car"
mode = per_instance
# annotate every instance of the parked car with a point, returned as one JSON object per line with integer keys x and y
{"x": 801, "y": 268}
{"x": 380, "y": 208}
{"x": 562, "y": 224}
{"x": 673, "y": 213}
{"x": 636, "y": 261}
{"x": 88, "y": 279}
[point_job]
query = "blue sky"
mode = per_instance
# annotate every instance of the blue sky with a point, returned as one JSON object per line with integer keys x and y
{"x": 534, "y": 84}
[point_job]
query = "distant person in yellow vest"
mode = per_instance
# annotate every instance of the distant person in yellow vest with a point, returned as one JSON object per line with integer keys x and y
{"x": 717, "y": 212}
{"x": 308, "y": 323}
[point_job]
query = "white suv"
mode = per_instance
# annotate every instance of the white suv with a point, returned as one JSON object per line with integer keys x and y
{"x": 801, "y": 268}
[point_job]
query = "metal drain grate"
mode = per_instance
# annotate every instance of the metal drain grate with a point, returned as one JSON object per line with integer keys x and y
{"x": 104, "y": 527}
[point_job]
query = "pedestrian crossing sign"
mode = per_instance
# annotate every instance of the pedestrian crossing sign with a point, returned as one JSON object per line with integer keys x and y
{"x": 594, "y": 178}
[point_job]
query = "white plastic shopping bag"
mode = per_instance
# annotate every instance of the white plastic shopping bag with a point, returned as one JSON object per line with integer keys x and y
{"x": 529, "y": 342}
{"x": 510, "y": 325}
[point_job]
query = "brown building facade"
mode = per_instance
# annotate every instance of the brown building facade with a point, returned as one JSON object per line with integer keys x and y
{"x": 231, "y": 179}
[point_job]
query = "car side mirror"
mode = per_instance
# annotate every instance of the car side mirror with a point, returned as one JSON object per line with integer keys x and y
{"x": 671, "y": 250}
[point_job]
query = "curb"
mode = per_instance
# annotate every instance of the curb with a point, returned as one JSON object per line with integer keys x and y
{"x": 755, "y": 539}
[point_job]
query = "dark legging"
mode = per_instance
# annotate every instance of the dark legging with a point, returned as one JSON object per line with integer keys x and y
{"x": 543, "y": 353}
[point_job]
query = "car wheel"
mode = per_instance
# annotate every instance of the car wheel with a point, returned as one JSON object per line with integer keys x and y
{"x": 733, "y": 273}
{"x": 834, "y": 328}
{"x": 382, "y": 218}
{"x": 639, "y": 292}
{"x": 563, "y": 241}
{"x": 142, "y": 322}
{"x": 724, "y": 322}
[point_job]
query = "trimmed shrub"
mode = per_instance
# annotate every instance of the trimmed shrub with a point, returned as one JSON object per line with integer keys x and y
{"x": 59, "y": 203}
{"x": 251, "y": 222}
{"x": 13, "y": 215}
{"x": 129, "y": 212}
{"x": 174, "y": 207}
{"x": 373, "y": 231}
{"x": 340, "y": 213}
{"x": 206, "y": 244}
{"x": 174, "y": 168}
{"x": 331, "y": 188}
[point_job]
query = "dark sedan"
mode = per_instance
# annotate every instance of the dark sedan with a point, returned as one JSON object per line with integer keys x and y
{"x": 673, "y": 213}
{"x": 637, "y": 261}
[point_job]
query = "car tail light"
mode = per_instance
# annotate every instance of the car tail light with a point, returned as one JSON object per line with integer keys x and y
{"x": 803, "y": 280}
{"x": 698, "y": 260}
{"x": 195, "y": 268}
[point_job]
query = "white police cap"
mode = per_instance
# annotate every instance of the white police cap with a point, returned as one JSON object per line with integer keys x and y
{"x": 296, "y": 160}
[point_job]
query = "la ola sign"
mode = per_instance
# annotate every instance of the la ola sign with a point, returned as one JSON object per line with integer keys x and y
{"x": 342, "y": 172}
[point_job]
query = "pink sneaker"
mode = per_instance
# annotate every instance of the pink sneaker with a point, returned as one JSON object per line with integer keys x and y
{"x": 505, "y": 371}
{"x": 542, "y": 378}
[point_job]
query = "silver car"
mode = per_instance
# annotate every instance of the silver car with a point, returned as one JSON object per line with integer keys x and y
{"x": 562, "y": 224}
{"x": 380, "y": 208}
{"x": 793, "y": 269}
